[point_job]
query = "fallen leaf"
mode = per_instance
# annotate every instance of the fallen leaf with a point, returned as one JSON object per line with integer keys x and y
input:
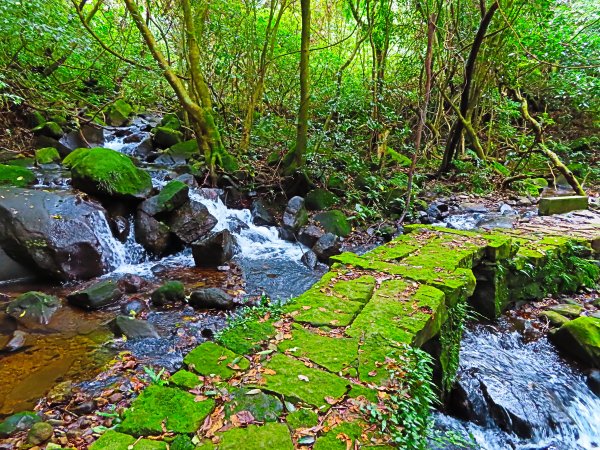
{"x": 303, "y": 378}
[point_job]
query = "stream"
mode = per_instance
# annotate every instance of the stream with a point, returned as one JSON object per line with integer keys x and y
{"x": 521, "y": 393}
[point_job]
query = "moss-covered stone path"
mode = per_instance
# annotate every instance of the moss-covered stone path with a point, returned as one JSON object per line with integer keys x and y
{"x": 312, "y": 375}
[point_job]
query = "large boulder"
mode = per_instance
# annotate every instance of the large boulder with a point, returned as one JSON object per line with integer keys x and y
{"x": 261, "y": 216}
{"x": 106, "y": 172}
{"x": 172, "y": 196}
{"x": 49, "y": 129}
{"x": 211, "y": 298}
{"x": 295, "y": 215}
{"x": 133, "y": 328}
{"x": 318, "y": 199}
{"x": 166, "y": 137}
{"x": 214, "y": 249}
{"x": 87, "y": 136}
{"x": 580, "y": 338}
{"x": 118, "y": 113}
{"x": 153, "y": 235}
{"x": 191, "y": 222}
{"x": 335, "y": 222}
{"x": 327, "y": 246}
{"x": 33, "y": 308}
{"x": 54, "y": 233}
{"x": 169, "y": 293}
{"x": 97, "y": 295}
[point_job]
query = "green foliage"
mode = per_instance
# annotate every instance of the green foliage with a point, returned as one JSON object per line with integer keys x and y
{"x": 155, "y": 377}
{"x": 450, "y": 339}
{"x": 406, "y": 413}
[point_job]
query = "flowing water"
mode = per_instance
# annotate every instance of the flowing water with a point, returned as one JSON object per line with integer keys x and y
{"x": 520, "y": 394}
{"x": 75, "y": 345}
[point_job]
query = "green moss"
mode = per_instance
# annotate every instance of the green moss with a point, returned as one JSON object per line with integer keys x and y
{"x": 18, "y": 422}
{"x": 337, "y": 437}
{"x": 263, "y": 407}
{"x": 171, "y": 121}
{"x": 212, "y": 359}
{"x": 319, "y": 309}
{"x": 171, "y": 291}
{"x": 580, "y": 338}
{"x": 119, "y": 112}
{"x": 335, "y": 222}
{"x": 318, "y": 199}
{"x": 50, "y": 129}
{"x": 166, "y": 137}
{"x": 186, "y": 150}
{"x": 247, "y": 337}
{"x": 334, "y": 354}
{"x": 295, "y": 381}
{"x": 357, "y": 290}
{"x": 357, "y": 391}
{"x": 112, "y": 440}
{"x": 554, "y": 318}
{"x": 47, "y": 155}
{"x": 302, "y": 418}
{"x": 185, "y": 380}
{"x": 159, "y": 406}
{"x": 274, "y": 436}
{"x": 104, "y": 171}
{"x": 171, "y": 196}
{"x": 16, "y": 176}
{"x": 182, "y": 442}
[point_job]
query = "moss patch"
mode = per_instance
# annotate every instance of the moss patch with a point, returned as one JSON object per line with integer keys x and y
{"x": 580, "y": 338}
{"x": 246, "y": 337}
{"x": 338, "y": 437}
{"x": 16, "y": 176}
{"x": 212, "y": 359}
{"x": 302, "y": 418}
{"x": 112, "y": 440}
{"x": 269, "y": 436}
{"x": 334, "y": 354}
{"x": 157, "y": 406}
{"x": 335, "y": 222}
{"x": 290, "y": 380}
{"x": 185, "y": 380}
{"x": 107, "y": 172}
{"x": 47, "y": 155}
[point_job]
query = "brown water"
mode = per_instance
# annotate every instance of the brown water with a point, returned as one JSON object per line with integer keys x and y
{"x": 68, "y": 348}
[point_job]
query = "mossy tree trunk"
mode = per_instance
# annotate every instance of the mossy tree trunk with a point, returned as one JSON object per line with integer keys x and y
{"x": 196, "y": 101}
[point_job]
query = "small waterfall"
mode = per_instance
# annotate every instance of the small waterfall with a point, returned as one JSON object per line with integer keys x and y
{"x": 525, "y": 386}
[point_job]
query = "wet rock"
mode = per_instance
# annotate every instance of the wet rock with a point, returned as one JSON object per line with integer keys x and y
{"x": 309, "y": 235}
{"x": 53, "y": 232}
{"x": 188, "y": 179}
{"x": 172, "y": 196}
{"x": 152, "y": 234}
{"x": 144, "y": 149}
{"x": 118, "y": 113}
{"x": 214, "y": 249}
{"x": 580, "y": 338}
{"x": 171, "y": 121}
{"x": 131, "y": 284}
{"x": 319, "y": 199}
{"x": 17, "y": 342}
{"x": 295, "y": 215}
{"x": 18, "y": 422}
{"x": 554, "y": 318}
{"x": 335, "y": 222}
{"x": 168, "y": 293}
{"x": 261, "y": 216}
{"x": 327, "y": 246}
{"x": 472, "y": 207}
{"x": 47, "y": 155}
{"x": 133, "y": 328}
{"x": 134, "y": 307}
{"x": 96, "y": 296}
{"x": 49, "y": 129}
{"x": 83, "y": 408}
{"x": 506, "y": 209}
{"x": 568, "y": 310}
{"x": 61, "y": 393}
{"x": 286, "y": 235}
{"x": 33, "y": 308}
{"x": 211, "y": 298}
{"x": 11, "y": 269}
{"x": 120, "y": 227}
{"x": 593, "y": 381}
{"x": 165, "y": 137}
{"x": 86, "y": 136}
{"x": 309, "y": 259}
{"x": 236, "y": 225}
{"x": 39, "y": 433}
{"x": 437, "y": 211}
{"x": 93, "y": 171}
{"x": 191, "y": 222}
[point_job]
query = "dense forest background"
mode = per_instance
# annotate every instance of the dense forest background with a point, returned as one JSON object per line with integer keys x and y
{"x": 351, "y": 95}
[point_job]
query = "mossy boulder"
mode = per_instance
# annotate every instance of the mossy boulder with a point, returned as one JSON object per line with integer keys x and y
{"x": 166, "y": 137}
{"x": 318, "y": 199}
{"x": 159, "y": 406}
{"x": 580, "y": 338}
{"x": 113, "y": 440}
{"x": 18, "y": 422}
{"x": 568, "y": 310}
{"x": 33, "y": 307}
{"x": 49, "y": 129}
{"x": 119, "y": 112}
{"x": 47, "y": 155}
{"x": 103, "y": 171}
{"x": 97, "y": 295}
{"x": 211, "y": 359}
{"x": 170, "y": 292}
{"x": 171, "y": 121}
{"x": 172, "y": 196}
{"x": 185, "y": 380}
{"x": 16, "y": 176}
{"x": 335, "y": 222}
{"x": 35, "y": 119}
{"x": 39, "y": 433}
{"x": 554, "y": 318}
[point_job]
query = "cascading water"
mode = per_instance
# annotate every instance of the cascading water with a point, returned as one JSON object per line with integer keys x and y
{"x": 521, "y": 395}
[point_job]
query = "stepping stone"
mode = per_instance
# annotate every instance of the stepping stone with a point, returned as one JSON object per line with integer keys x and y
{"x": 274, "y": 436}
{"x": 211, "y": 359}
{"x": 112, "y": 440}
{"x": 558, "y": 205}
